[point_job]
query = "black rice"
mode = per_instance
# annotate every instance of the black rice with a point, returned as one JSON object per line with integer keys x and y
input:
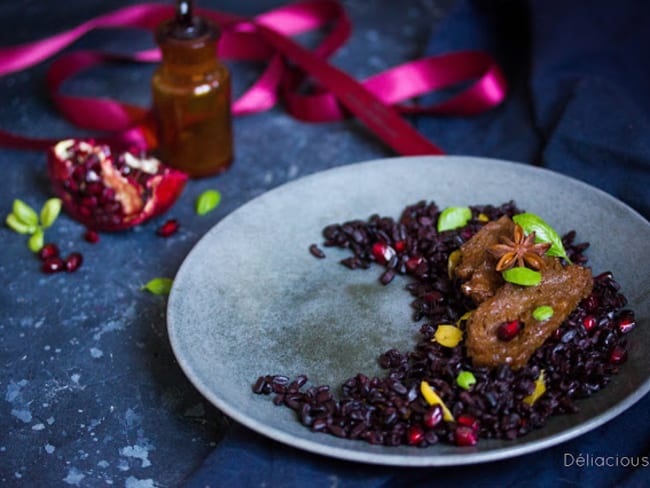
{"x": 578, "y": 360}
{"x": 316, "y": 251}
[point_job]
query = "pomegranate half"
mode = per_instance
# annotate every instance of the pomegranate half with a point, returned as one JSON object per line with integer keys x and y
{"x": 111, "y": 192}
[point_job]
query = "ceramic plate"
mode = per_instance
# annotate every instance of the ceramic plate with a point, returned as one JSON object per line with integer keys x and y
{"x": 251, "y": 300}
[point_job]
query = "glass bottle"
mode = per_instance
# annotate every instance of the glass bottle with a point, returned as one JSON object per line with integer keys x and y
{"x": 191, "y": 96}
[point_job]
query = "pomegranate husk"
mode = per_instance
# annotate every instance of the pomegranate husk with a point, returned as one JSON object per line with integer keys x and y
{"x": 111, "y": 191}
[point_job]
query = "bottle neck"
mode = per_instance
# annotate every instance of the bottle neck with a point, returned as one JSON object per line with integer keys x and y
{"x": 188, "y": 50}
{"x": 182, "y": 59}
{"x": 179, "y": 54}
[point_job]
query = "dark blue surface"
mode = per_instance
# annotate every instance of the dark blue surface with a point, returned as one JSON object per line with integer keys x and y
{"x": 579, "y": 101}
{"x": 579, "y": 104}
{"x": 90, "y": 393}
{"x": 249, "y": 459}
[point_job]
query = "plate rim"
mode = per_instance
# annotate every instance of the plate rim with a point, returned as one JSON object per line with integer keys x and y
{"x": 466, "y": 456}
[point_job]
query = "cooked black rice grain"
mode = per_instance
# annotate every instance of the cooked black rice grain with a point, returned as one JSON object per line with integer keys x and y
{"x": 578, "y": 360}
{"x": 316, "y": 251}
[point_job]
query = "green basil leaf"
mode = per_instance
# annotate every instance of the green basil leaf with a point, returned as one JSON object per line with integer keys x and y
{"x": 158, "y": 286}
{"x": 35, "y": 242}
{"x": 453, "y": 218}
{"x": 207, "y": 201}
{"x": 543, "y": 313}
{"x": 522, "y": 276}
{"x": 543, "y": 233}
{"x": 17, "y": 225}
{"x": 50, "y": 212}
{"x": 25, "y": 213}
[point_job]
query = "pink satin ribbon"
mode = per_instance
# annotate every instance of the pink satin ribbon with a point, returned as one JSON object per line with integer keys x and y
{"x": 377, "y": 101}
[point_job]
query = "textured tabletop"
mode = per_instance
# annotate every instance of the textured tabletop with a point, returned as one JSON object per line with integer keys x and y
{"x": 90, "y": 393}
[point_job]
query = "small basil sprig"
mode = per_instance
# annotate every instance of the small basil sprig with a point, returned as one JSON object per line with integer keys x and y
{"x": 25, "y": 214}
{"x": 17, "y": 225}
{"x": 23, "y": 219}
{"x": 158, "y": 286}
{"x": 36, "y": 241}
{"x": 543, "y": 233}
{"x": 207, "y": 201}
{"x": 50, "y": 212}
{"x": 453, "y": 218}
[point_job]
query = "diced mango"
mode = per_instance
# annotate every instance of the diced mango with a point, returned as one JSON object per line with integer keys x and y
{"x": 432, "y": 398}
{"x": 452, "y": 262}
{"x": 540, "y": 388}
{"x": 464, "y": 317}
{"x": 448, "y": 335}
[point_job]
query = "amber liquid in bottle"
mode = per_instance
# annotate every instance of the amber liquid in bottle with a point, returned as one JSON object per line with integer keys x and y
{"x": 191, "y": 99}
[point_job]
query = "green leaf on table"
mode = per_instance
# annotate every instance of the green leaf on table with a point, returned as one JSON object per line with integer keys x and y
{"x": 207, "y": 201}
{"x": 158, "y": 286}
{"x": 522, "y": 276}
{"x": 543, "y": 233}
{"x": 35, "y": 242}
{"x": 453, "y": 218}
{"x": 50, "y": 211}
{"x": 17, "y": 225}
{"x": 26, "y": 214}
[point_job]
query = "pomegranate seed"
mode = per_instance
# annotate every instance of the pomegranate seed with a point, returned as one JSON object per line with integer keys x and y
{"x": 466, "y": 234}
{"x": 607, "y": 275}
{"x": 433, "y": 416}
{"x": 415, "y": 435}
{"x": 433, "y": 296}
{"x": 94, "y": 187}
{"x": 382, "y": 252}
{"x": 73, "y": 262}
{"x": 413, "y": 262}
{"x": 465, "y": 436}
{"x": 168, "y": 228}
{"x": 618, "y": 355}
{"x": 107, "y": 196}
{"x": 88, "y": 201}
{"x": 79, "y": 174}
{"x": 48, "y": 251}
{"x": 53, "y": 265}
{"x": 85, "y": 212}
{"x": 468, "y": 421}
{"x": 91, "y": 236}
{"x": 626, "y": 322}
{"x": 589, "y": 322}
{"x": 400, "y": 246}
{"x": 508, "y": 330}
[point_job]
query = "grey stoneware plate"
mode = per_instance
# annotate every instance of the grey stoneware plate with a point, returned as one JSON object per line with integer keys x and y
{"x": 251, "y": 300}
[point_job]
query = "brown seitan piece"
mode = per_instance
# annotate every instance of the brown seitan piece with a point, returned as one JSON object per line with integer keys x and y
{"x": 476, "y": 268}
{"x": 561, "y": 288}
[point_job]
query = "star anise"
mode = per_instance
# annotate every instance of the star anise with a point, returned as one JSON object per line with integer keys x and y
{"x": 521, "y": 250}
